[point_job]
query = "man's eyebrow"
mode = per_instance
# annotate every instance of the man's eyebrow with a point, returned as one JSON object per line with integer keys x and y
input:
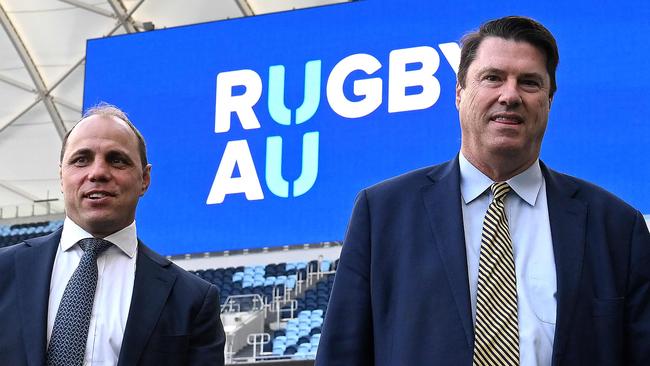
{"x": 83, "y": 151}
{"x": 490, "y": 70}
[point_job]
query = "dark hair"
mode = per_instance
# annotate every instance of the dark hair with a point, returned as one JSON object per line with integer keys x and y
{"x": 515, "y": 28}
{"x": 109, "y": 110}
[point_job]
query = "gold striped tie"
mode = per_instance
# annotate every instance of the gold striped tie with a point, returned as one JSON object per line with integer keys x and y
{"x": 496, "y": 334}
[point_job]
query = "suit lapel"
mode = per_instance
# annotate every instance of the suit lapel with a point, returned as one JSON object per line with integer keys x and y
{"x": 568, "y": 217}
{"x": 442, "y": 201}
{"x": 153, "y": 283}
{"x": 33, "y": 275}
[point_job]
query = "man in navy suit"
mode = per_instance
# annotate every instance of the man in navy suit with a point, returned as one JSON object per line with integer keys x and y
{"x": 146, "y": 310}
{"x": 406, "y": 285}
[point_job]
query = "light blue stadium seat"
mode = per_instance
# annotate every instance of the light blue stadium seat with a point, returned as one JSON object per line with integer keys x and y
{"x": 303, "y": 330}
{"x": 237, "y": 276}
{"x": 292, "y": 333}
{"x": 290, "y": 266}
{"x": 325, "y": 265}
{"x": 292, "y": 340}
{"x": 317, "y": 312}
{"x": 304, "y": 348}
{"x": 280, "y": 280}
{"x": 301, "y": 265}
{"x": 316, "y": 323}
{"x": 268, "y": 281}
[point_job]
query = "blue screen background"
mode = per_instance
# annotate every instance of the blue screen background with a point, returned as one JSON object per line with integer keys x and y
{"x": 165, "y": 80}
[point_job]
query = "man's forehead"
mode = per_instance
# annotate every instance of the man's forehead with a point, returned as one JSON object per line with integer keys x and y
{"x": 496, "y": 52}
{"x": 101, "y": 130}
{"x": 97, "y": 119}
{"x": 102, "y": 126}
{"x": 489, "y": 43}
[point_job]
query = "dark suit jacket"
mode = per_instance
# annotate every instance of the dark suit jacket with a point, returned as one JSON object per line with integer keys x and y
{"x": 173, "y": 318}
{"x": 401, "y": 294}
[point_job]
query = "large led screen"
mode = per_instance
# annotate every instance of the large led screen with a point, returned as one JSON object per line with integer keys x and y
{"x": 261, "y": 130}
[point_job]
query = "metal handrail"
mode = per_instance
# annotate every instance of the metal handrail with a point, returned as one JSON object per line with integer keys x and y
{"x": 252, "y": 339}
{"x": 232, "y": 303}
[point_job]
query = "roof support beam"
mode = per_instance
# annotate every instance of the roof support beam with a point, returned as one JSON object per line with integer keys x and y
{"x": 3, "y": 126}
{"x": 13, "y": 189}
{"x": 22, "y": 193}
{"x": 245, "y": 8}
{"x": 125, "y": 18}
{"x": 33, "y": 72}
{"x": 89, "y": 7}
{"x": 71, "y": 106}
{"x": 17, "y": 84}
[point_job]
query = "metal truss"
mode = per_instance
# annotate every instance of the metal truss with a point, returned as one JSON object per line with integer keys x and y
{"x": 123, "y": 16}
{"x": 40, "y": 87}
{"x": 245, "y": 8}
{"x": 42, "y": 92}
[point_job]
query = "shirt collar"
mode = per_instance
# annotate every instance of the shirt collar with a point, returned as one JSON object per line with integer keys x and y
{"x": 473, "y": 182}
{"x": 126, "y": 239}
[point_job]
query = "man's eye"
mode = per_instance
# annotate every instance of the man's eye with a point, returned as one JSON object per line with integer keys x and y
{"x": 491, "y": 78}
{"x": 118, "y": 161}
{"x": 80, "y": 161}
{"x": 531, "y": 83}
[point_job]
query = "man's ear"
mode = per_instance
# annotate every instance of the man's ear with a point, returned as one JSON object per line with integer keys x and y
{"x": 459, "y": 89}
{"x": 146, "y": 179}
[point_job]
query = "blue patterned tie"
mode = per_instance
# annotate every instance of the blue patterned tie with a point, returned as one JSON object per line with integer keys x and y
{"x": 70, "y": 333}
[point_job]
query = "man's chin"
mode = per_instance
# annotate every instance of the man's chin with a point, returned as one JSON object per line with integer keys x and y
{"x": 512, "y": 149}
{"x": 102, "y": 226}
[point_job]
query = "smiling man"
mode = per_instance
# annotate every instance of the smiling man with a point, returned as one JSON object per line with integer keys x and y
{"x": 92, "y": 293}
{"x": 493, "y": 258}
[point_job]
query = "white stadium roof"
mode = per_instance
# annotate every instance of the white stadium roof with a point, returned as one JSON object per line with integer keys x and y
{"x": 42, "y": 44}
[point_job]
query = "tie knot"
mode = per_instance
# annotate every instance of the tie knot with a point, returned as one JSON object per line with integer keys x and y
{"x": 94, "y": 246}
{"x": 499, "y": 190}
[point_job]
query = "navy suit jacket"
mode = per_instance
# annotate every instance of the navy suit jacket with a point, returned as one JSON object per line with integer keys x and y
{"x": 173, "y": 318}
{"x": 401, "y": 294}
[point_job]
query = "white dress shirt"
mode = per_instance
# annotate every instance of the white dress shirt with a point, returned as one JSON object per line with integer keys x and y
{"x": 116, "y": 273}
{"x": 530, "y": 231}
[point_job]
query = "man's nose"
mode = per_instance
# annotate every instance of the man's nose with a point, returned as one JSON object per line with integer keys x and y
{"x": 510, "y": 93}
{"x": 99, "y": 171}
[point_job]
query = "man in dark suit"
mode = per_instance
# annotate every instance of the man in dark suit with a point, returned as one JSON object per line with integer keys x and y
{"x": 145, "y": 309}
{"x": 411, "y": 285}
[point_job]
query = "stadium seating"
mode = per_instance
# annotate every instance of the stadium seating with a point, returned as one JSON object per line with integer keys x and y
{"x": 299, "y": 335}
{"x": 16, "y": 233}
{"x": 261, "y": 280}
